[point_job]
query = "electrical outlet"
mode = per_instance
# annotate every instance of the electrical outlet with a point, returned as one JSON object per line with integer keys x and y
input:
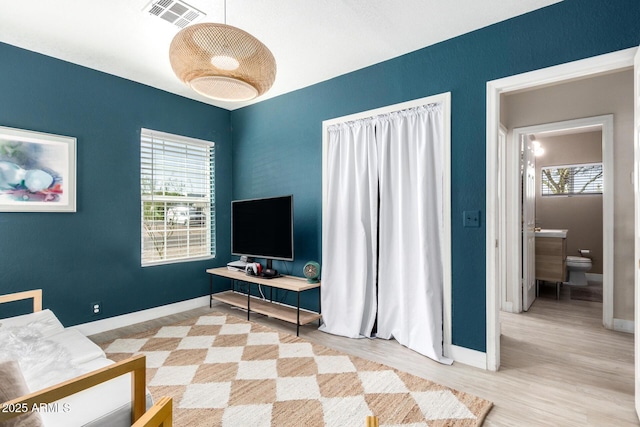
{"x": 96, "y": 308}
{"x": 471, "y": 219}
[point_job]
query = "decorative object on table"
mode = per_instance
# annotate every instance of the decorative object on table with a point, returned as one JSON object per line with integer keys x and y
{"x": 37, "y": 171}
{"x": 254, "y": 269}
{"x": 312, "y": 272}
{"x": 222, "y": 62}
{"x": 270, "y": 273}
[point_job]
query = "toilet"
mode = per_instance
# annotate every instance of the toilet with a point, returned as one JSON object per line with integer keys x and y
{"x": 577, "y": 267}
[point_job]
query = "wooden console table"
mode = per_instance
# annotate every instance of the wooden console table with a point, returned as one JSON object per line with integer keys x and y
{"x": 259, "y": 305}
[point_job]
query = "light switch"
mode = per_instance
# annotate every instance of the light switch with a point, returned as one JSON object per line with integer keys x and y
{"x": 471, "y": 219}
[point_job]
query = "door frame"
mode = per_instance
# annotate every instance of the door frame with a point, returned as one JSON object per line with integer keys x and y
{"x": 506, "y": 304}
{"x": 606, "y": 125}
{"x": 636, "y": 192}
{"x": 565, "y": 72}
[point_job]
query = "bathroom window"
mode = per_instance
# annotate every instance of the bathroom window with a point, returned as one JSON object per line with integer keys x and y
{"x": 569, "y": 180}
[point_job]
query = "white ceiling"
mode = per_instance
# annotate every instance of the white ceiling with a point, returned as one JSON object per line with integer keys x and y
{"x": 312, "y": 40}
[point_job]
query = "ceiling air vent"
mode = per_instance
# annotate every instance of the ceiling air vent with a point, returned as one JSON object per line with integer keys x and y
{"x": 175, "y": 12}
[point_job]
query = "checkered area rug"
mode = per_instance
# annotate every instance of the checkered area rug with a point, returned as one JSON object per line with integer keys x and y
{"x": 224, "y": 371}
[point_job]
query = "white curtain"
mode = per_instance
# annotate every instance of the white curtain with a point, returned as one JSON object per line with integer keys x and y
{"x": 391, "y": 163}
{"x": 410, "y": 273}
{"x": 349, "y": 240}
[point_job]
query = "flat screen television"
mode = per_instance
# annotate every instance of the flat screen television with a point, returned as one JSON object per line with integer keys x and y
{"x": 263, "y": 228}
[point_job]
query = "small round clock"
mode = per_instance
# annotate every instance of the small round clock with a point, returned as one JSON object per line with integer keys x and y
{"x": 312, "y": 272}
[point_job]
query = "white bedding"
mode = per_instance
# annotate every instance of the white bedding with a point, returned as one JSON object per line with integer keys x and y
{"x": 107, "y": 404}
{"x": 79, "y": 347}
{"x": 43, "y": 362}
{"x": 45, "y": 320}
{"x": 49, "y": 354}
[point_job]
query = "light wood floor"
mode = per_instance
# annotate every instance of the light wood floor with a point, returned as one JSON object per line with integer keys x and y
{"x": 560, "y": 367}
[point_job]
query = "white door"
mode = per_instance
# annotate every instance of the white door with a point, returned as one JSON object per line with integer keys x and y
{"x": 636, "y": 174}
{"x": 529, "y": 223}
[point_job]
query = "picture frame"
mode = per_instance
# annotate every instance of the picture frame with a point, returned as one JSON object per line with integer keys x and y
{"x": 37, "y": 171}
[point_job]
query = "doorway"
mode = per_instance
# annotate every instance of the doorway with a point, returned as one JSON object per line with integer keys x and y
{"x": 498, "y": 242}
{"x": 523, "y": 282}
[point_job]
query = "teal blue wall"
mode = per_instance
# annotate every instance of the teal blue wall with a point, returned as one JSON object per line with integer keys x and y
{"x": 277, "y": 142}
{"x": 94, "y": 254}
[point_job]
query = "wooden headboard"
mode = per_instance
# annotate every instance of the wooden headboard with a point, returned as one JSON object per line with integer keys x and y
{"x": 36, "y": 294}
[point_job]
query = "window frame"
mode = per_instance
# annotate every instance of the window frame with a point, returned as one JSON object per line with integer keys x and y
{"x": 151, "y": 140}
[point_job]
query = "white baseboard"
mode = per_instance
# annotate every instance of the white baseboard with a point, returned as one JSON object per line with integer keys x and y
{"x": 140, "y": 316}
{"x": 622, "y": 325}
{"x": 507, "y": 306}
{"x": 467, "y": 356}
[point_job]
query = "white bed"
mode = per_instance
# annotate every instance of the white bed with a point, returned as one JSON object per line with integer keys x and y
{"x": 51, "y": 357}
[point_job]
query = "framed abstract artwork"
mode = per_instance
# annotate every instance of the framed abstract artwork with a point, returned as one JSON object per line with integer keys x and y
{"x": 37, "y": 171}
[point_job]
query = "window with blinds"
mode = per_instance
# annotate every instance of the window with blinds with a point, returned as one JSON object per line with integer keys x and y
{"x": 177, "y": 198}
{"x": 572, "y": 179}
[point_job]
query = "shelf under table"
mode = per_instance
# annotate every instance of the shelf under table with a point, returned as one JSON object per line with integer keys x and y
{"x": 258, "y": 305}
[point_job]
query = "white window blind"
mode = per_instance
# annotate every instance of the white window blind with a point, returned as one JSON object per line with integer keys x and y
{"x": 177, "y": 198}
{"x": 572, "y": 179}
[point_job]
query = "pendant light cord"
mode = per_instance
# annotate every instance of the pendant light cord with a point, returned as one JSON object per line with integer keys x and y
{"x": 225, "y": 12}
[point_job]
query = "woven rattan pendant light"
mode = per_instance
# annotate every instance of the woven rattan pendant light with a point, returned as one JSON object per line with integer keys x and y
{"x": 222, "y": 62}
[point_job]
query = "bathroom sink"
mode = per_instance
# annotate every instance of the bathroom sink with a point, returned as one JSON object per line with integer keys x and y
{"x": 551, "y": 233}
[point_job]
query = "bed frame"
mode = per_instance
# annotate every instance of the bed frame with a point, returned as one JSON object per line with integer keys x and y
{"x": 36, "y": 295}
{"x": 160, "y": 414}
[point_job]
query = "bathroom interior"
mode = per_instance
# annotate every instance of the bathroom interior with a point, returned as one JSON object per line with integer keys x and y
{"x": 575, "y": 220}
{"x": 591, "y": 100}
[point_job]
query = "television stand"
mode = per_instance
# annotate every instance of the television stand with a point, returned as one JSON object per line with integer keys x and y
{"x": 267, "y": 307}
